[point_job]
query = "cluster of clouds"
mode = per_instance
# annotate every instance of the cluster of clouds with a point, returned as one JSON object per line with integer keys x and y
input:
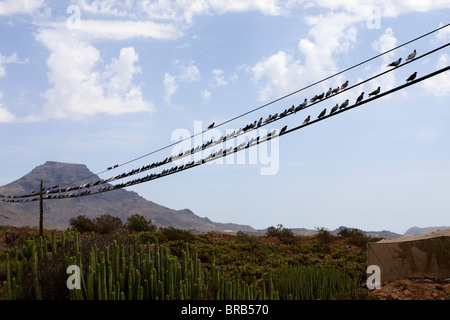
{"x": 88, "y": 85}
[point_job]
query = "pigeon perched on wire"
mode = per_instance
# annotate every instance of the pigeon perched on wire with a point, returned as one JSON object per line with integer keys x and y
{"x": 395, "y": 63}
{"x": 320, "y": 96}
{"x": 375, "y": 92}
{"x": 334, "y": 109}
{"x": 324, "y": 111}
{"x": 283, "y": 130}
{"x": 344, "y": 85}
{"x": 307, "y": 120}
{"x": 211, "y": 126}
{"x": 314, "y": 98}
{"x": 411, "y": 77}
{"x": 336, "y": 90}
{"x": 412, "y": 55}
{"x": 328, "y": 92}
{"x": 303, "y": 104}
{"x": 344, "y": 104}
{"x": 359, "y": 99}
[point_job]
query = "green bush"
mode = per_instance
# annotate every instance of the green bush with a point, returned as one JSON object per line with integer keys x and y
{"x": 82, "y": 224}
{"x": 138, "y": 223}
{"x": 285, "y": 235}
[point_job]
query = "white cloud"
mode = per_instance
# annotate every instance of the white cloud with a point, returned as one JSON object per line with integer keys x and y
{"x": 281, "y": 71}
{"x": 186, "y": 74}
{"x": 185, "y": 11}
{"x": 81, "y": 86}
{"x": 7, "y": 60}
{"x": 170, "y": 87}
{"x": 206, "y": 95}
{"x": 386, "y": 42}
{"x": 218, "y": 79}
{"x": 440, "y": 84}
{"x": 5, "y": 115}
{"x": 10, "y": 7}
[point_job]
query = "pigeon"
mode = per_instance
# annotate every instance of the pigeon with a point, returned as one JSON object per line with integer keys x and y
{"x": 395, "y": 63}
{"x": 302, "y": 105}
{"x": 324, "y": 111}
{"x": 259, "y": 122}
{"x": 411, "y": 77}
{"x": 298, "y": 108}
{"x": 359, "y": 99}
{"x": 329, "y": 92}
{"x": 412, "y": 55}
{"x": 307, "y": 120}
{"x": 336, "y": 90}
{"x": 375, "y": 92}
{"x": 211, "y": 126}
{"x": 320, "y": 96}
{"x": 291, "y": 109}
{"x": 314, "y": 98}
{"x": 283, "y": 130}
{"x": 343, "y": 105}
{"x": 334, "y": 109}
{"x": 344, "y": 85}
{"x": 268, "y": 119}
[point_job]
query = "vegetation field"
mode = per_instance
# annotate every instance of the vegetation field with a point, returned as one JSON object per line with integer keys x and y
{"x": 110, "y": 260}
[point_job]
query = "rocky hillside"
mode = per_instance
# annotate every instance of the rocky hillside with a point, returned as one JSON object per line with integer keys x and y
{"x": 120, "y": 203}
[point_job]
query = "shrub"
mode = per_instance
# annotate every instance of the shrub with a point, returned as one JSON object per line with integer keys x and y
{"x": 82, "y": 224}
{"x": 138, "y": 223}
{"x": 108, "y": 224}
{"x": 171, "y": 233}
{"x": 324, "y": 237}
{"x": 243, "y": 237}
{"x": 285, "y": 235}
{"x": 355, "y": 237}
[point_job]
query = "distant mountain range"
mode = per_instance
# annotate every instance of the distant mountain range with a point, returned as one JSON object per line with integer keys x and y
{"x": 120, "y": 203}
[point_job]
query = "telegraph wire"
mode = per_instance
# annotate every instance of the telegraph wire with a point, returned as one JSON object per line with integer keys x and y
{"x": 270, "y": 103}
{"x": 57, "y": 189}
{"x": 244, "y": 146}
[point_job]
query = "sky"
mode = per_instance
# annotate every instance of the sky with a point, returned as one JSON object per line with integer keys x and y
{"x": 109, "y": 82}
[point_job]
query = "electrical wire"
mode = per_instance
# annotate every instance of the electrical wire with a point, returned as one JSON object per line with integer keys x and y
{"x": 239, "y": 148}
{"x": 269, "y": 103}
{"x": 57, "y": 189}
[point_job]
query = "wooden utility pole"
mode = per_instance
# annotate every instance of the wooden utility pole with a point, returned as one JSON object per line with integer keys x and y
{"x": 41, "y": 207}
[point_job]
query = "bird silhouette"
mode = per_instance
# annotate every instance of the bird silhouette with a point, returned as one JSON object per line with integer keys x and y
{"x": 329, "y": 92}
{"x": 320, "y": 96}
{"x": 303, "y": 104}
{"x": 334, "y": 109}
{"x": 291, "y": 109}
{"x": 411, "y": 77}
{"x": 211, "y": 126}
{"x": 343, "y": 105}
{"x": 375, "y": 92}
{"x": 314, "y": 98}
{"x": 336, "y": 90}
{"x": 307, "y": 120}
{"x": 283, "y": 130}
{"x": 395, "y": 63}
{"x": 344, "y": 85}
{"x": 324, "y": 111}
{"x": 359, "y": 99}
{"x": 412, "y": 55}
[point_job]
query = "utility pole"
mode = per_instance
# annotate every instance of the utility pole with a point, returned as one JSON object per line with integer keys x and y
{"x": 41, "y": 207}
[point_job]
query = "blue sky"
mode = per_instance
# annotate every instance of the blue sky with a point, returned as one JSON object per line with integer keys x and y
{"x": 104, "y": 82}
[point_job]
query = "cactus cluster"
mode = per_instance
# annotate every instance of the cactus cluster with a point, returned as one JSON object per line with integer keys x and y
{"x": 151, "y": 272}
{"x": 134, "y": 271}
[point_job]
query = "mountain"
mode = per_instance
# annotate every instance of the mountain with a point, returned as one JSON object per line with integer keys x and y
{"x": 417, "y": 230}
{"x": 119, "y": 203}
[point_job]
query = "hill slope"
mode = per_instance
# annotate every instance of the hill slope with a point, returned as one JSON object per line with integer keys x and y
{"x": 119, "y": 203}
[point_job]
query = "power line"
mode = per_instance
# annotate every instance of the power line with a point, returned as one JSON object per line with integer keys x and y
{"x": 241, "y": 147}
{"x": 234, "y": 135}
{"x": 269, "y": 103}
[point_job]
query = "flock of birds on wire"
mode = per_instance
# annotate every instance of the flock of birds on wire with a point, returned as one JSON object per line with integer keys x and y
{"x": 62, "y": 192}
